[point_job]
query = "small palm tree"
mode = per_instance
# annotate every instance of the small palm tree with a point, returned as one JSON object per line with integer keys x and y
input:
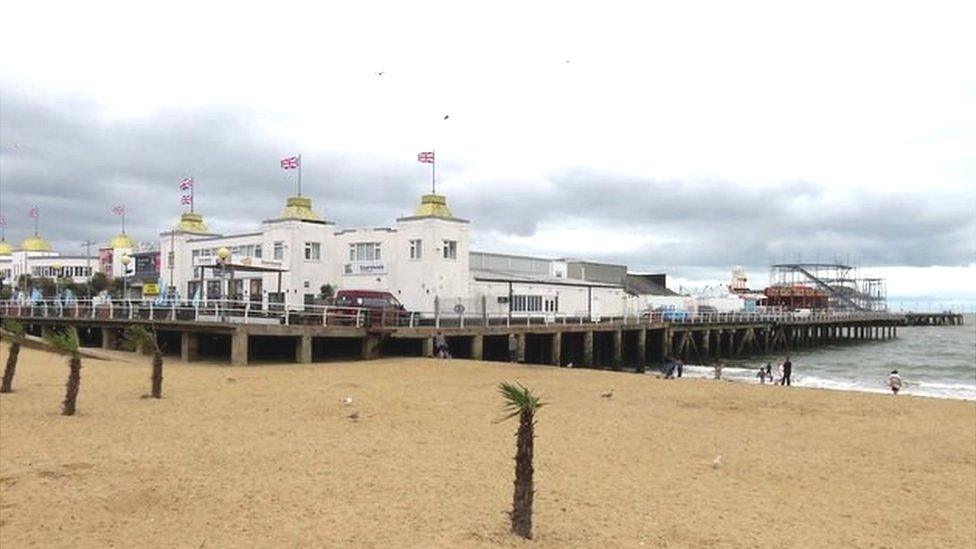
{"x": 519, "y": 401}
{"x": 15, "y": 332}
{"x": 66, "y": 341}
{"x": 142, "y": 339}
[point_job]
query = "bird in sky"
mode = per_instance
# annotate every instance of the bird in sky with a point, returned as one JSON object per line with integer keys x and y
{"x": 446, "y": 116}
{"x": 380, "y": 73}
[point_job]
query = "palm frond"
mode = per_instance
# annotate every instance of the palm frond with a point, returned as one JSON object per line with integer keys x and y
{"x": 138, "y": 337}
{"x": 12, "y": 327}
{"x": 65, "y": 340}
{"x": 518, "y": 398}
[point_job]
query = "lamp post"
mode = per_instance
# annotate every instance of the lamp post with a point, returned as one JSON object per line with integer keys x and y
{"x": 125, "y": 276}
{"x": 223, "y": 254}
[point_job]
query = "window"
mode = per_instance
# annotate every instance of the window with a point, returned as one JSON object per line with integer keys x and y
{"x": 313, "y": 251}
{"x": 416, "y": 249}
{"x": 279, "y": 251}
{"x": 450, "y": 249}
{"x": 527, "y": 303}
{"x": 257, "y": 250}
{"x": 364, "y": 251}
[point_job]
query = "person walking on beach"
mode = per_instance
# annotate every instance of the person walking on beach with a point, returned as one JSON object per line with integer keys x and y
{"x": 512, "y": 347}
{"x": 894, "y": 381}
{"x": 440, "y": 346}
{"x": 718, "y": 369}
{"x": 679, "y": 367}
{"x": 761, "y": 374}
{"x": 787, "y": 372}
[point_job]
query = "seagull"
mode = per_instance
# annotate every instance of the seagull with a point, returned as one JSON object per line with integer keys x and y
{"x": 717, "y": 462}
{"x": 230, "y": 379}
{"x": 380, "y": 73}
{"x": 446, "y": 116}
{"x": 570, "y": 365}
{"x": 608, "y": 394}
{"x": 346, "y": 401}
{"x": 354, "y": 416}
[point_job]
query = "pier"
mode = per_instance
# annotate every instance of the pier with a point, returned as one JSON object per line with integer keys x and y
{"x": 934, "y": 319}
{"x": 239, "y": 335}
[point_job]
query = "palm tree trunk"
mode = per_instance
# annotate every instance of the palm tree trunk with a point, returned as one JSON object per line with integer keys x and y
{"x": 524, "y": 492}
{"x": 8, "y": 371}
{"x": 74, "y": 382}
{"x": 157, "y": 375}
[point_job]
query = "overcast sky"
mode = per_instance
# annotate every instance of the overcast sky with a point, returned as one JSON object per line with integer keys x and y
{"x": 681, "y": 137}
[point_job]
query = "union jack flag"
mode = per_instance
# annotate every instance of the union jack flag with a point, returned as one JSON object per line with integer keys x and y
{"x": 186, "y": 184}
{"x": 291, "y": 162}
{"x": 426, "y": 157}
{"x": 3, "y": 221}
{"x": 33, "y": 213}
{"x": 186, "y": 199}
{"x": 119, "y": 210}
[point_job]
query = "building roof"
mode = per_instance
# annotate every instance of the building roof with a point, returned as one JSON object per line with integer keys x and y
{"x": 5, "y": 247}
{"x": 35, "y": 243}
{"x": 642, "y": 285}
{"x": 192, "y": 222}
{"x": 299, "y": 207}
{"x": 490, "y": 275}
{"x": 121, "y": 241}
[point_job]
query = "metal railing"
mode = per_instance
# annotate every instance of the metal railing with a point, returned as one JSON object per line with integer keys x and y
{"x": 248, "y": 312}
{"x": 224, "y": 312}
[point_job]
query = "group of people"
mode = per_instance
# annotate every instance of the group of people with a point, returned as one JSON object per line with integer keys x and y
{"x": 783, "y": 376}
{"x": 673, "y": 367}
{"x": 441, "y": 349}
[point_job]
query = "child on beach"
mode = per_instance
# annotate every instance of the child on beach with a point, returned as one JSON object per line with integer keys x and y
{"x": 761, "y": 374}
{"x": 894, "y": 381}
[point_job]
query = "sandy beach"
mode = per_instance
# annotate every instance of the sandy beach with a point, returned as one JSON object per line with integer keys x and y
{"x": 265, "y": 456}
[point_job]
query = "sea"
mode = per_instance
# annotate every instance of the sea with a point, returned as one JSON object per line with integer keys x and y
{"x": 933, "y": 361}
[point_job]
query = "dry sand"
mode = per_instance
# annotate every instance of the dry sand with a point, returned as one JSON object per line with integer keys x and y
{"x": 264, "y": 456}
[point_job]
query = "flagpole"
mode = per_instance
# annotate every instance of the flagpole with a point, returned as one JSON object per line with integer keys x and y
{"x": 192, "y": 192}
{"x": 37, "y": 216}
{"x": 123, "y": 219}
{"x": 299, "y": 174}
{"x": 433, "y": 172}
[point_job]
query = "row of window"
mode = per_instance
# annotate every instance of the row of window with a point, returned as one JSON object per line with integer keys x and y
{"x": 535, "y": 303}
{"x": 61, "y": 272}
{"x": 359, "y": 251}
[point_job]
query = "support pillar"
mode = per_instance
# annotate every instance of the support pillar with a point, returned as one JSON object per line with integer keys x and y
{"x": 371, "y": 347}
{"x": 477, "y": 347}
{"x": 706, "y": 344}
{"x": 618, "y": 350}
{"x": 641, "y": 351}
{"x": 428, "y": 347}
{"x": 109, "y": 338}
{"x": 238, "y": 348}
{"x": 189, "y": 347}
{"x": 520, "y": 347}
{"x": 556, "y": 349}
{"x": 303, "y": 349}
{"x": 588, "y": 349}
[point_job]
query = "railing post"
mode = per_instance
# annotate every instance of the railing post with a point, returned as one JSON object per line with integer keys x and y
{"x": 325, "y": 315}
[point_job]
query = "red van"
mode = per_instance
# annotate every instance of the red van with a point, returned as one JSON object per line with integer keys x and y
{"x": 383, "y": 309}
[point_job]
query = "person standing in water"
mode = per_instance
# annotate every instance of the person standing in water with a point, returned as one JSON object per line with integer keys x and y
{"x": 894, "y": 381}
{"x": 787, "y": 372}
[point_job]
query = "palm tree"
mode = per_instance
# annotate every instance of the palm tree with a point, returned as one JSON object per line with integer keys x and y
{"x": 66, "y": 341}
{"x": 15, "y": 331}
{"x": 519, "y": 401}
{"x": 142, "y": 339}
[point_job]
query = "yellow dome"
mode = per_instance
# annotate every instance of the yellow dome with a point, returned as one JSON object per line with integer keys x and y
{"x": 5, "y": 247}
{"x": 191, "y": 222}
{"x": 299, "y": 207}
{"x": 121, "y": 241}
{"x": 433, "y": 205}
{"x": 35, "y": 243}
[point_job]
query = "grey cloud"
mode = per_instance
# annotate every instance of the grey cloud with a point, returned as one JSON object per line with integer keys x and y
{"x": 76, "y": 165}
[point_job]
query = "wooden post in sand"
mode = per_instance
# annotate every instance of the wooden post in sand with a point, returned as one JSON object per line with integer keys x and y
{"x": 588, "y": 349}
{"x": 477, "y": 347}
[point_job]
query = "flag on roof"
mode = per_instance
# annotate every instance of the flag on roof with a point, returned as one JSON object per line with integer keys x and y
{"x": 119, "y": 210}
{"x": 186, "y": 184}
{"x": 291, "y": 162}
{"x": 426, "y": 157}
{"x": 33, "y": 213}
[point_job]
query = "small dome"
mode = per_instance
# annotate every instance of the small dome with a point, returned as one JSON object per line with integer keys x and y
{"x": 191, "y": 222}
{"x": 35, "y": 243}
{"x": 5, "y": 247}
{"x": 299, "y": 207}
{"x": 121, "y": 241}
{"x": 433, "y": 205}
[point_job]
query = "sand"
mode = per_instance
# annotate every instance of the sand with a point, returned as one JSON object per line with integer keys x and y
{"x": 264, "y": 456}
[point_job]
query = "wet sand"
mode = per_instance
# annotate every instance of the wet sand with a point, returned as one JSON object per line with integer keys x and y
{"x": 265, "y": 456}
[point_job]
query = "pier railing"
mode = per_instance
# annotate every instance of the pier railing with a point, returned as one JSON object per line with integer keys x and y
{"x": 247, "y": 312}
